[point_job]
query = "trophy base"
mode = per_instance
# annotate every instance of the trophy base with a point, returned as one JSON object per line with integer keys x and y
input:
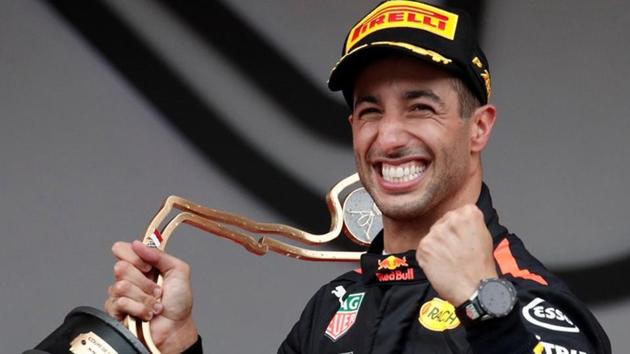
{"x": 89, "y": 330}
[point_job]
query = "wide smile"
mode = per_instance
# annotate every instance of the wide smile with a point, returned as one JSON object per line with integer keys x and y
{"x": 401, "y": 175}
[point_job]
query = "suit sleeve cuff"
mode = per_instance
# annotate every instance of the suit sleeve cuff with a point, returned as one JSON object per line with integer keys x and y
{"x": 195, "y": 348}
{"x": 501, "y": 335}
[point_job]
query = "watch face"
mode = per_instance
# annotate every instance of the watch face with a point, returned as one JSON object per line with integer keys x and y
{"x": 497, "y": 298}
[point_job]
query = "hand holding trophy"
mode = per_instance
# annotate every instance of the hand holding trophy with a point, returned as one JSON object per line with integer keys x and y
{"x": 152, "y": 295}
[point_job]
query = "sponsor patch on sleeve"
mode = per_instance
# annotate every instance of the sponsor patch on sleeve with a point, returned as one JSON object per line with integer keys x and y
{"x": 438, "y": 315}
{"x": 542, "y": 314}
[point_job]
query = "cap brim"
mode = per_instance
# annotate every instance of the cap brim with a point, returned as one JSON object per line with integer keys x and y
{"x": 343, "y": 74}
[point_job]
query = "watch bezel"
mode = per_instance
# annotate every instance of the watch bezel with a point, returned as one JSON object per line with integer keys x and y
{"x": 482, "y": 297}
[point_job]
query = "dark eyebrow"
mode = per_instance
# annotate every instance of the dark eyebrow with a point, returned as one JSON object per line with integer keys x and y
{"x": 410, "y": 95}
{"x": 366, "y": 98}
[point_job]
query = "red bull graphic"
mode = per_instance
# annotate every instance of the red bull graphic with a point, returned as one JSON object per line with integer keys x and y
{"x": 396, "y": 275}
{"x": 392, "y": 262}
{"x": 392, "y": 273}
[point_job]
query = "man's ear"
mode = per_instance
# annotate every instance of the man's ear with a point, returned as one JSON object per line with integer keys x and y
{"x": 350, "y": 119}
{"x": 482, "y": 121}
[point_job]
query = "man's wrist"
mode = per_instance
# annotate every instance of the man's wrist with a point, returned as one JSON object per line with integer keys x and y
{"x": 181, "y": 339}
{"x": 468, "y": 289}
{"x": 464, "y": 294}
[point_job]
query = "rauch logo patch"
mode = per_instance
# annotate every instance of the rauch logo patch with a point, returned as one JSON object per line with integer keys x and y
{"x": 438, "y": 315}
{"x": 345, "y": 317}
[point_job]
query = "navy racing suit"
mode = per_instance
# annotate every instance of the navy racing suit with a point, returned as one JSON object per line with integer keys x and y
{"x": 388, "y": 306}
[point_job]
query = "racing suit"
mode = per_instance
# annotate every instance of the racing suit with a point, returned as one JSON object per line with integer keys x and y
{"x": 388, "y": 306}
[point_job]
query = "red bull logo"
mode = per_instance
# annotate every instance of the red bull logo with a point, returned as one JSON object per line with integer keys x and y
{"x": 396, "y": 275}
{"x": 392, "y": 262}
{"x": 391, "y": 265}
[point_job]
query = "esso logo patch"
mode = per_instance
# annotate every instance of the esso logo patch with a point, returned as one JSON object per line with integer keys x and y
{"x": 540, "y": 313}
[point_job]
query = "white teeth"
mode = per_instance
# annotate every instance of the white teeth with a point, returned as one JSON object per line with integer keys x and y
{"x": 402, "y": 173}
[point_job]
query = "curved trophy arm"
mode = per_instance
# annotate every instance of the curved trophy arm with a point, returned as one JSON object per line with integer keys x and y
{"x": 332, "y": 199}
{"x": 226, "y": 225}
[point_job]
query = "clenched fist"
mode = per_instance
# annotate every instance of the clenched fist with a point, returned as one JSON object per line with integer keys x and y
{"x": 169, "y": 308}
{"x": 456, "y": 254}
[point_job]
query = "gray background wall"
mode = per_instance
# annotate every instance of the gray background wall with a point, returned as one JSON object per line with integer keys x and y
{"x": 85, "y": 159}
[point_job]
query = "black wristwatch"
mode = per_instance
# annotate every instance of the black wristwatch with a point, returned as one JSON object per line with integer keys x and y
{"x": 494, "y": 298}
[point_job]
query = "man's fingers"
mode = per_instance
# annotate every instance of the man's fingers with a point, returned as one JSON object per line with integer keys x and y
{"x": 119, "y": 307}
{"x": 158, "y": 259}
{"x": 127, "y": 272}
{"x": 124, "y": 288}
{"x": 144, "y": 258}
{"x": 124, "y": 251}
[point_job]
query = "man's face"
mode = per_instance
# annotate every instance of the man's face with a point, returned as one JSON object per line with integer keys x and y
{"x": 412, "y": 147}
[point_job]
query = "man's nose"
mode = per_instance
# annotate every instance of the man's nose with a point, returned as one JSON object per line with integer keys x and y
{"x": 391, "y": 133}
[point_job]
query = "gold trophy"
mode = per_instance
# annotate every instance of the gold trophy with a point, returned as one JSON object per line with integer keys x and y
{"x": 88, "y": 330}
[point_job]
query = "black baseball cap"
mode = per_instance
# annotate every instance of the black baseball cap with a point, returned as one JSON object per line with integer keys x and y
{"x": 441, "y": 36}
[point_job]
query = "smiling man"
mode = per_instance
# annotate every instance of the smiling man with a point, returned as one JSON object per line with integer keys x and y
{"x": 444, "y": 276}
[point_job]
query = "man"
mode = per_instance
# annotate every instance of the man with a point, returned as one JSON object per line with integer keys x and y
{"x": 444, "y": 276}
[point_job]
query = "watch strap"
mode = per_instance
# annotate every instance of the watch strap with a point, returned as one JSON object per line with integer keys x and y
{"x": 470, "y": 311}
